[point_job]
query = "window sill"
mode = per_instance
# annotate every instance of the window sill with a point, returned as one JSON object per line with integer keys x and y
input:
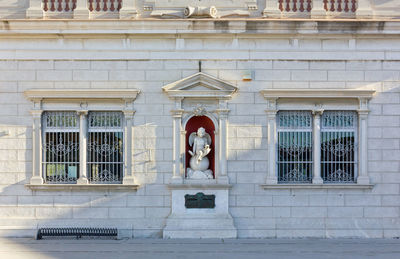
{"x": 82, "y": 187}
{"x": 317, "y": 186}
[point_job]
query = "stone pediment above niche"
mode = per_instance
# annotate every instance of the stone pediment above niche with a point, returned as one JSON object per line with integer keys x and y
{"x": 200, "y": 85}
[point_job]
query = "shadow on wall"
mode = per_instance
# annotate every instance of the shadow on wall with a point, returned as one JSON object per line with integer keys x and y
{"x": 138, "y": 213}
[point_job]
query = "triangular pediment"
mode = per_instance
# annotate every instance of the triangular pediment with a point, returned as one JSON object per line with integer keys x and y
{"x": 200, "y": 85}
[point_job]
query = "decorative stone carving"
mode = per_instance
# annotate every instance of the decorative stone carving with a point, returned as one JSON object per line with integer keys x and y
{"x": 199, "y": 162}
{"x": 201, "y": 11}
{"x": 199, "y": 110}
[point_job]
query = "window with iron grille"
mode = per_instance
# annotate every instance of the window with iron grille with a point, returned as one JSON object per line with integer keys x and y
{"x": 60, "y": 158}
{"x": 338, "y": 146}
{"x": 105, "y": 147}
{"x": 62, "y": 148}
{"x": 294, "y": 158}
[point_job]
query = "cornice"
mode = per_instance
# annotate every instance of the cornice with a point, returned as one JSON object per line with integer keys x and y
{"x": 199, "y": 26}
{"x": 317, "y": 93}
{"x": 122, "y": 94}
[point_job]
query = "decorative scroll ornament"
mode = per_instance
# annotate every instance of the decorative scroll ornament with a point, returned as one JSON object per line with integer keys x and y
{"x": 105, "y": 176}
{"x": 201, "y": 11}
{"x": 338, "y": 149}
{"x": 294, "y": 150}
{"x": 104, "y": 149}
{"x": 61, "y": 149}
{"x": 294, "y": 175}
{"x": 199, "y": 111}
{"x": 60, "y": 179}
{"x": 339, "y": 176}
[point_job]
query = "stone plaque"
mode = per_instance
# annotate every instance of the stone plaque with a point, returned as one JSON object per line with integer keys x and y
{"x": 200, "y": 201}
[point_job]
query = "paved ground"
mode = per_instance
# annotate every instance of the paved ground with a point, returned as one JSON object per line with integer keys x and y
{"x": 205, "y": 249}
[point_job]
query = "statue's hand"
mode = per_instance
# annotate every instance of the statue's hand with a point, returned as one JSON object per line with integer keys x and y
{"x": 191, "y": 153}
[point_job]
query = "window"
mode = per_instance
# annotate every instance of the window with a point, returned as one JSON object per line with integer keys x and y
{"x": 317, "y": 138}
{"x": 337, "y": 149}
{"x": 338, "y": 146}
{"x": 105, "y": 147}
{"x": 60, "y": 147}
{"x": 294, "y": 146}
{"x": 82, "y": 139}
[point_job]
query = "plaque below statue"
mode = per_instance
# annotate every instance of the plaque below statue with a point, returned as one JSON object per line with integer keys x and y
{"x": 199, "y": 163}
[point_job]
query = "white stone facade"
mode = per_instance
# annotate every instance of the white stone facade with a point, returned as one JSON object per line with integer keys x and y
{"x": 358, "y": 57}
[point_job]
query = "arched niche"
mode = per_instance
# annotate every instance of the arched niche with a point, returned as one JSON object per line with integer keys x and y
{"x": 200, "y": 100}
{"x": 192, "y": 124}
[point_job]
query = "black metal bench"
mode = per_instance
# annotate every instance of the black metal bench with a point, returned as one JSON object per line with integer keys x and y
{"x": 78, "y": 232}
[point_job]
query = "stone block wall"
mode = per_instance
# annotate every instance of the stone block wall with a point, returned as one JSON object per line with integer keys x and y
{"x": 148, "y": 63}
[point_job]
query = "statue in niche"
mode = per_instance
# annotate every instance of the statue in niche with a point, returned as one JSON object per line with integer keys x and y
{"x": 199, "y": 163}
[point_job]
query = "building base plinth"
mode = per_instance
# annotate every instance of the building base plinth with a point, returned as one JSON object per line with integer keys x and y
{"x": 220, "y": 226}
{"x": 210, "y": 220}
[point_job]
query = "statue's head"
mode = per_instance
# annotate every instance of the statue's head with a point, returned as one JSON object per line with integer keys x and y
{"x": 201, "y": 132}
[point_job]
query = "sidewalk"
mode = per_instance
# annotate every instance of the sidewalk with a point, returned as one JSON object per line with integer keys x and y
{"x": 196, "y": 249}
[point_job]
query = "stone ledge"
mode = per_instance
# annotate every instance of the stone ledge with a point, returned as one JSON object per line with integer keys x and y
{"x": 317, "y": 93}
{"x": 82, "y": 187}
{"x": 317, "y": 186}
{"x": 140, "y": 27}
{"x": 199, "y": 186}
{"x": 123, "y": 94}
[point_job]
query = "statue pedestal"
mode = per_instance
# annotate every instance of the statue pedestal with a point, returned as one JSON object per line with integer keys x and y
{"x": 209, "y": 221}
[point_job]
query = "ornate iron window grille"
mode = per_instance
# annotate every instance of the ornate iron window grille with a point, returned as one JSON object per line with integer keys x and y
{"x": 60, "y": 160}
{"x": 338, "y": 146}
{"x": 105, "y": 147}
{"x": 294, "y": 152}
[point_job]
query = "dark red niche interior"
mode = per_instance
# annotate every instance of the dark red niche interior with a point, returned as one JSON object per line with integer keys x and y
{"x": 191, "y": 126}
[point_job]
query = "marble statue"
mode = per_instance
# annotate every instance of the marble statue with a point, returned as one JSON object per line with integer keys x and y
{"x": 199, "y": 163}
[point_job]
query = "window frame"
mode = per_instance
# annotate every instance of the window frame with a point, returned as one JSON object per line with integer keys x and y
{"x": 348, "y": 150}
{"x": 82, "y": 101}
{"x": 317, "y": 101}
{"x": 114, "y": 164}
{"x": 53, "y": 155}
{"x": 293, "y": 159}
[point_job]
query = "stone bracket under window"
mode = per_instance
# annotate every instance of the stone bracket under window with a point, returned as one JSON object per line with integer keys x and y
{"x": 317, "y": 101}
{"x": 81, "y": 102}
